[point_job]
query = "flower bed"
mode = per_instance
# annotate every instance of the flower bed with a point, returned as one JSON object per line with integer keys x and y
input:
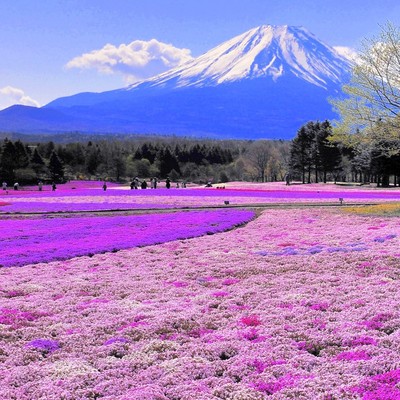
{"x": 25, "y": 241}
{"x": 211, "y": 318}
{"x": 117, "y": 198}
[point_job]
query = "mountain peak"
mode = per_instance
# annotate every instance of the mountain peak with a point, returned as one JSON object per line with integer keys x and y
{"x": 267, "y": 51}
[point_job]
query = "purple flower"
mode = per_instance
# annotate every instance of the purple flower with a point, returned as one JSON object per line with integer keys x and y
{"x": 362, "y": 341}
{"x": 315, "y": 249}
{"x": 353, "y": 356}
{"x": 44, "y": 345}
{"x": 320, "y": 306}
{"x": 115, "y": 340}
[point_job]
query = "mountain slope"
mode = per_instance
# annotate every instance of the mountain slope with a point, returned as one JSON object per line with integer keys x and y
{"x": 265, "y": 83}
{"x": 266, "y": 51}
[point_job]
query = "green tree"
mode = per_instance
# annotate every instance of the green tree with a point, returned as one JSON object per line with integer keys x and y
{"x": 21, "y": 155}
{"x": 369, "y": 110}
{"x": 37, "y": 163}
{"x": 167, "y": 162}
{"x": 56, "y": 168}
{"x": 301, "y": 152}
{"x": 93, "y": 158}
{"x": 328, "y": 152}
{"x": 8, "y": 161}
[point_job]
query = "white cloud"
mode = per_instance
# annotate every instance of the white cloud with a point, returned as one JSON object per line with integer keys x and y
{"x": 348, "y": 53}
{"x": 136, "y": 60}
{"x": 10, "y": 95}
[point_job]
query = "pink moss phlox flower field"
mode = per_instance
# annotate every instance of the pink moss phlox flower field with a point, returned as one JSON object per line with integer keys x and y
{"x": 26, "y": 241}
{"x": 90, "y": 197}
{"x": 234, "y": 315}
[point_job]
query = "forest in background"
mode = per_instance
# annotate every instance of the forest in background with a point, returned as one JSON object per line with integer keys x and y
{"x": 122, "y": 159}
{"x": 311, "y": 156}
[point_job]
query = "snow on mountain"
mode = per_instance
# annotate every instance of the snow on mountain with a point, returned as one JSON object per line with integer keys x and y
{"x": 265, "y": 51}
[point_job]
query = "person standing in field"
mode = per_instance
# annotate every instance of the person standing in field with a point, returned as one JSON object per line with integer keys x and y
{"x": 168, "y": 183}
{"x": 105, "y": 186}
{"x": 40, "y": 185}
{"x": 4, "y": 185}
{"x": 53, "y": 187}
{"x": 153, "y": 182}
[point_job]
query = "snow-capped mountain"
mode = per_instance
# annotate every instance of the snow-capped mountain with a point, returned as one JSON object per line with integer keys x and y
{"x": 266, "y": 83}
{"x": 266, "y": 51}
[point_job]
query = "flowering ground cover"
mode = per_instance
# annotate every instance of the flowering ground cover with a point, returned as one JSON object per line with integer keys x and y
{"x": 26, "y": 241}
{"x": 94, "y": 199}
{"x": 235, "y": 315}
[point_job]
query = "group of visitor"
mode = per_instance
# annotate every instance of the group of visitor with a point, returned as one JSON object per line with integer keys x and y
{"x": 136, "y": 183}
{"x": 4, "y": 185}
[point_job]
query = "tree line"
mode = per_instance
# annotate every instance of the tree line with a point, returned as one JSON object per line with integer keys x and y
{"x": 316, "y": 156}
{"x": 196, "y": 161}
{"x": 312, "y": 156}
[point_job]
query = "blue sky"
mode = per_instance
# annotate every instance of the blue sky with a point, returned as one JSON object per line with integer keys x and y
{"x": 54, "y": 48}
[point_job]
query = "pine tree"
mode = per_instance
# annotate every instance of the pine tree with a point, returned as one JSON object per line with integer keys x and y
{"x": 328, "y": 152}
{"x": 312, "y": 150}
{"x": 301, "y": 152}
{"x": 167, "y": 162}
{"x": 21, "y": 155}
{"x": 56, "y": 168}
{"x": 8, "y": 161}
{"x": 37, "y": 163}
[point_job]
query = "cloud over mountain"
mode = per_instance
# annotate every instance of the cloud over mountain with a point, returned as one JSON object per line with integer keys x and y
{"x": 136, "y": 60}
{"x": 10, "y": 95}
{"x": 347, "y": 52}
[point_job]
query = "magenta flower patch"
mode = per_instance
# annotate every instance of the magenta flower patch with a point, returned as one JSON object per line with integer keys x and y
{"x": 382, "y": 386}
{"x": 42, "y": 240}
{"x": 251, "y": 320}
{"x": 353, "y": 356}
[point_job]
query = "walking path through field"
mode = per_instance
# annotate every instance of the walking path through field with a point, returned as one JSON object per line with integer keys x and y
{"x": 132, "y": 211}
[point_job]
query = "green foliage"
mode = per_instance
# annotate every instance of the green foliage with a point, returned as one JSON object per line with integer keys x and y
{"x": 192, "y": 160}
{"x": 8, "y": 161}
{"x": 167, "y": 162}
{"x": 369, "y": 109}
{"x": 223, "y": 177}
